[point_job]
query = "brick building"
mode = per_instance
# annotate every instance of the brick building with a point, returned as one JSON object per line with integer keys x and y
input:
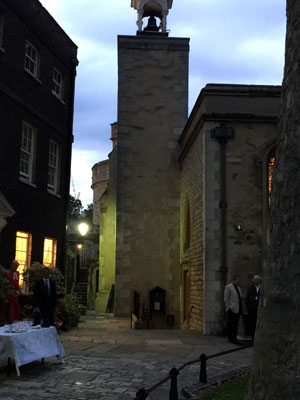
{"x": 37, "y": 76}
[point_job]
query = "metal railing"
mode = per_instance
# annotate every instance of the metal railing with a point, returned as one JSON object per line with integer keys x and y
{"x": 174, "y": 372}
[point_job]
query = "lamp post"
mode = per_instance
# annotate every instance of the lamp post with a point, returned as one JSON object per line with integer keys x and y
{"x": 83, "y": 229}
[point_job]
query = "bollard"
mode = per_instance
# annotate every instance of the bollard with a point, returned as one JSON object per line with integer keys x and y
{"x": 203, "y": 374}
{"x": 173, "y": 395}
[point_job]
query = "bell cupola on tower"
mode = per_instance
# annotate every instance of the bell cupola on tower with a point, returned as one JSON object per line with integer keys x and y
{"x": 152, "y": 112}
{"x": 152, "y": 9}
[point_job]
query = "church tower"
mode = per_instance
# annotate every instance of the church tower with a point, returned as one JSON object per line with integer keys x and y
{"x": 152, "y": 112}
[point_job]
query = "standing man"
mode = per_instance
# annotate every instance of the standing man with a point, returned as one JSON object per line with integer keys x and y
{"x": 252, "y": 299}
{"x": 234, "y": 308}
{"x": 45, "y": 298}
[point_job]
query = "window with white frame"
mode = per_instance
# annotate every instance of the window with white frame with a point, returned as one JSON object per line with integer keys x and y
{"x": 58, "y": 83}
{"x": 49, "y": 252}
{"x": 27, "y": 152}
{"x": 1, "y": 30}
{"x": 31, "y": 59}
{"x": 53, "y": 166}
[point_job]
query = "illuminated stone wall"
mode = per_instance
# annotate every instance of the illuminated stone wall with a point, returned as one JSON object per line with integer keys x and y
{"x": 192, "y": 207}
{"x": 107, "y": 241}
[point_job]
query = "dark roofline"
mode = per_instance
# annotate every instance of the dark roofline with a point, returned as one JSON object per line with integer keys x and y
{"x": 10, "y": 4}
{"x": 100, "y": 163}
{"x": 221, "y": 89}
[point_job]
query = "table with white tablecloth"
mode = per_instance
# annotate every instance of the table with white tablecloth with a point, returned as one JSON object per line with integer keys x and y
{"x": 31, "y": 345}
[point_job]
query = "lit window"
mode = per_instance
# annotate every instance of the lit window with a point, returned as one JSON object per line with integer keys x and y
{"x": 53, "y": 166}
{"x": 31, "y": 59}
{"x": 27, "y": 152}
{"x": 23, "y": 252}
{"x": 1, "y": 30}
{"x": 57, "y": 83}
{"x": 271, "y": 163}
{"x": 49, "y": 255}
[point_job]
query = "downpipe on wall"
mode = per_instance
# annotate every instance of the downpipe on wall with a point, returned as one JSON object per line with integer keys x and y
{"x": 222, "y": 134}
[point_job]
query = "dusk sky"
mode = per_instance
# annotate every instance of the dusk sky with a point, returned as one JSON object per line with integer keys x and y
{"x": 232, "y": 41}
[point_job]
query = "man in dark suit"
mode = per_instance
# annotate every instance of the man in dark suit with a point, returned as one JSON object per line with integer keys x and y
{"x": 252, "y": 299}
{"x": 45, "y": 298}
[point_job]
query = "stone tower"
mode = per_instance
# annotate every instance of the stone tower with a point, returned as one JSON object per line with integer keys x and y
{"x": 152, "y": 111}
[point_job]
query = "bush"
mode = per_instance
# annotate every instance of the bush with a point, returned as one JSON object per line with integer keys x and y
{"x": 35, "y": 272}
{"x": 6, "y": 288}
{"x": 69, "y": 311}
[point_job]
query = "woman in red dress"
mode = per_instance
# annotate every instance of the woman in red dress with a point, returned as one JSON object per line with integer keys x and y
{"x": 13, "y": 302}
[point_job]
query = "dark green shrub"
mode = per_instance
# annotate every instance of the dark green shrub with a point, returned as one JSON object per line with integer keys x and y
{"x": 6, "y": 288}
{"x": 35, "y": 272}
{"x": 70, "y": 311}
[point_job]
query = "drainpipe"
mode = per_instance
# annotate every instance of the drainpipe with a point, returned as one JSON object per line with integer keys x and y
{"x": 222, "y": 134}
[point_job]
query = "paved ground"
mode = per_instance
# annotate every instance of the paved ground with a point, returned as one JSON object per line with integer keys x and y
{"x": 105, "y": 359}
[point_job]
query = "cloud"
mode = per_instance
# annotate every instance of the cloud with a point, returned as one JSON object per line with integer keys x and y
{"x": 232, "y": 41}
{"x": 82, "y": 163}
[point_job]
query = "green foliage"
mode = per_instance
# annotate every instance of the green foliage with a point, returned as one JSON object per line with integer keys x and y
{"x": 6, "y": 288}
{"x": 75, "y": 207}
{"x": 234, "y": 389}
{"x": 70, "y": 311}
{"x": 87, "y": 214}
{"x": 35, "y": 272}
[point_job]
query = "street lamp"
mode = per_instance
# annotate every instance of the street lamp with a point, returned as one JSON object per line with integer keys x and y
{"x": 83, "y": 228}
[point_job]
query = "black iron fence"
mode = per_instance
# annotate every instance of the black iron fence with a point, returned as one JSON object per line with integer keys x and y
{"x": 174, "y": 372}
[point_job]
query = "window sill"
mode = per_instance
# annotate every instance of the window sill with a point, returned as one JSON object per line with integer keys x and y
{"x": 58, "y": 97}
{"x": 23, "y": 180}
{"x": 33, "y": 76}
{"x": 53, "y": 193}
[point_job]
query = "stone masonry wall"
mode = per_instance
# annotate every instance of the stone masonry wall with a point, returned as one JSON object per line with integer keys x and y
{"x": 245, "y": 180}
{"x": 100, "y": 176}
{"x": 246, "y": 198}
{"x": 192, "y": 190}
{"x": 152, "y": 111}
{"x": 213, "y": 293}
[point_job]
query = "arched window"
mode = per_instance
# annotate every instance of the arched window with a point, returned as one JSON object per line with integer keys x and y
{"x": 270, "y": 170}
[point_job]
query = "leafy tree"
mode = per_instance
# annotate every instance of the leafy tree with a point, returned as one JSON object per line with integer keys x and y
{"x": 276, "y": 362}
{"x": 75, "y": 207}
{"x": 87, "y": 214}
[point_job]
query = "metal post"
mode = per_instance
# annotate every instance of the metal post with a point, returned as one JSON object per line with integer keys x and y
{"x": 173, "y": 389}
{"x": 141, "y": 395}
{"x": 203, "y": 374}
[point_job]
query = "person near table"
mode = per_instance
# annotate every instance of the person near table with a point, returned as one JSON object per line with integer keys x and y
{"x": 13, "y": 312}
{"x": 252, "y": 301}
{"x": 45, "y": 298}
{"x": 234, "y": 308}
